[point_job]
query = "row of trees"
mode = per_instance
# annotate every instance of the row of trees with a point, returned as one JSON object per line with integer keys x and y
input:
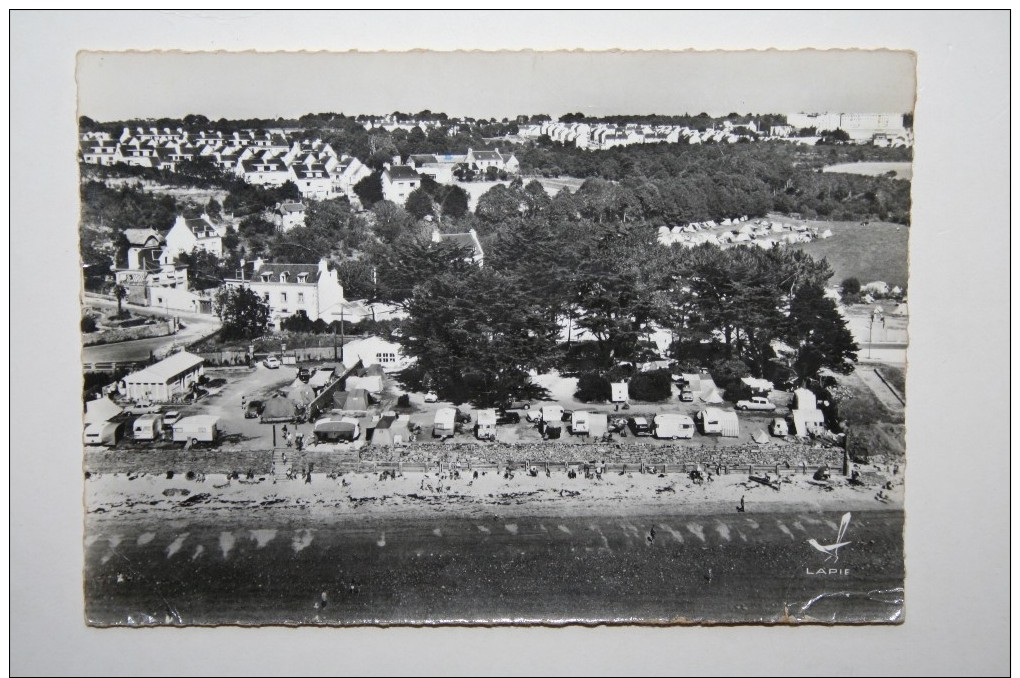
{"x": 669, "y": 183}
{"x": 476, "y": 333}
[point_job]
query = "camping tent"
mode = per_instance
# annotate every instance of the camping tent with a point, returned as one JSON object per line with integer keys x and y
{"x": 900, "y": 310}
{"x": 711, "y": 396}
{"x": 301, "y": 394}
{"x": 321, "y": 377}
{"x": 760, "y": 437}
{"x": 100, "y": 410}
{"x": 373, "y": 384}
{"x": 390, "y": 431}
{"x": 278, "y": 410}
{"x": 758, "y": 386}
{"x": 355, "y": 400}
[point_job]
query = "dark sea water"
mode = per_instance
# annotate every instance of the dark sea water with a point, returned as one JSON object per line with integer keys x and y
{"x": 284, "y": 567}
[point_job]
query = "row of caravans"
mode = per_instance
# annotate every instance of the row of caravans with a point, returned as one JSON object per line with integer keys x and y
{"x": 150, "y": 427}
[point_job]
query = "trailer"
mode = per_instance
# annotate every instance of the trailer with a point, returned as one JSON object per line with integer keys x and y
{"x": 598, "y": 423}
{"x": 580, "y": 423}
{"x": 619, "y": 392}
{"x": 147, "y": 427}
{"x": 200, "y": 428}
{"x": 485, "y": 425}
{"x": 673, "y": 426}
{"x": 445, "y": 423}
{"x": 713, "y": 421}
{"x": 336, "y": 430}
{"x": 551, "y": 413}
{"x": 106, "y": 433}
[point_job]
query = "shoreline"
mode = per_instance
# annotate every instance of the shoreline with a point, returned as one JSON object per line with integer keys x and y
{"x": 365, "y": 496}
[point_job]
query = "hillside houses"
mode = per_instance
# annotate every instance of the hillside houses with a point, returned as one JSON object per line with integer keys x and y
{"x": 262, "y": 158}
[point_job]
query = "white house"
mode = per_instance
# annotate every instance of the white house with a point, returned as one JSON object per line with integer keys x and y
{"x": 398, "y": 182}
{"x": 312, "y": 179}
{"x": 467, "y": 240}
{"x": 289, "y": 288}
{"x": 188, "y": 235}
{"x": 346, "y": 175}
{"x": 289, "y": 215}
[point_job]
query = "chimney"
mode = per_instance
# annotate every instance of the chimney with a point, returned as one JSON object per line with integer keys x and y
{"x": 257, "y": 264}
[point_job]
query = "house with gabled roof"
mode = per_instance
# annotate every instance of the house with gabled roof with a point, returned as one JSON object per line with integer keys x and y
{"x": 467, "y": 240}
{"x": 289, "y": 288}
{"x": 398, "y": 181}
{"x": 99, "y": 151}
{"x": 312, "y": 179}
{"x": 346, "y": 173}
{"x": 288, "y": 215}
{"x": 188, "y": 235}
{"x": 263, "y": 170}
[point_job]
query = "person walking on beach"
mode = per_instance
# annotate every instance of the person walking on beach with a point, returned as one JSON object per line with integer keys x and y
{"x": 740, "y": 509}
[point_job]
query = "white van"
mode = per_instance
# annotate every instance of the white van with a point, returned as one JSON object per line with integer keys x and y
{"x": 445, "y": 423}
{"x": 673, "y": 426}
{"x": 580, "y": 423}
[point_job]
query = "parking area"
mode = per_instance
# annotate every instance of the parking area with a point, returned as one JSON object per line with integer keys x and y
{"x": 236, "y": 386}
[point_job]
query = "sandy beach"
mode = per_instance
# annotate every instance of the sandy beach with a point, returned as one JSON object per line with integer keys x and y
{"x": 416, "y": 493}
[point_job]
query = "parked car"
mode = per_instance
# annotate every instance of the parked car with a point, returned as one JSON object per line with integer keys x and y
{"x": 686, "y": 394}
{"x": 567, "y": 415}
{"x": 517, "y": 405}
{"x": 639, "y": 426}
{"x": 778, "y": 427}
{"x": 170, "y": 417}
{"x": 759, "y": 403}
{"x": 304, "y": 374}
{"x": 504, "y": 417}
{"x": 272, "y": 362}
{"x": 431, "y": 397}
{"x": 142, "y": 407}
{"x": 253, "y": 410}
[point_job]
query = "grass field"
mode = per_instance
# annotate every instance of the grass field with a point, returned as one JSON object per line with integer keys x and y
{"x": 897, "y": 376}
{"x": 903, "y": 170}
{"x": 875, "y": 251}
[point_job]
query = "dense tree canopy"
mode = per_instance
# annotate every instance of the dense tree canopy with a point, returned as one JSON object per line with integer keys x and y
{"x": 243, "y": 313}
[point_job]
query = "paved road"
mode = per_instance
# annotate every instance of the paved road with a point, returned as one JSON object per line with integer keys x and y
{"x": 195, "y": 327}
{"x": 272, "y": 565}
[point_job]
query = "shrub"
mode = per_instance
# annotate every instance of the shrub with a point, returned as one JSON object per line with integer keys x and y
{"x": 592, "y": 387}
{"x": 404, "y": 400}
{"x": 651, "y": 386}
{"x": 88, "y": 324}
{"x": 727, "y": 375}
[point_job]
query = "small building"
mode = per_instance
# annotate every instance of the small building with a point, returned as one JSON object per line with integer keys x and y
{"x": 166, "y": 380}
{"x": 188, "y": 235}
{"x": 289, "y": 215}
